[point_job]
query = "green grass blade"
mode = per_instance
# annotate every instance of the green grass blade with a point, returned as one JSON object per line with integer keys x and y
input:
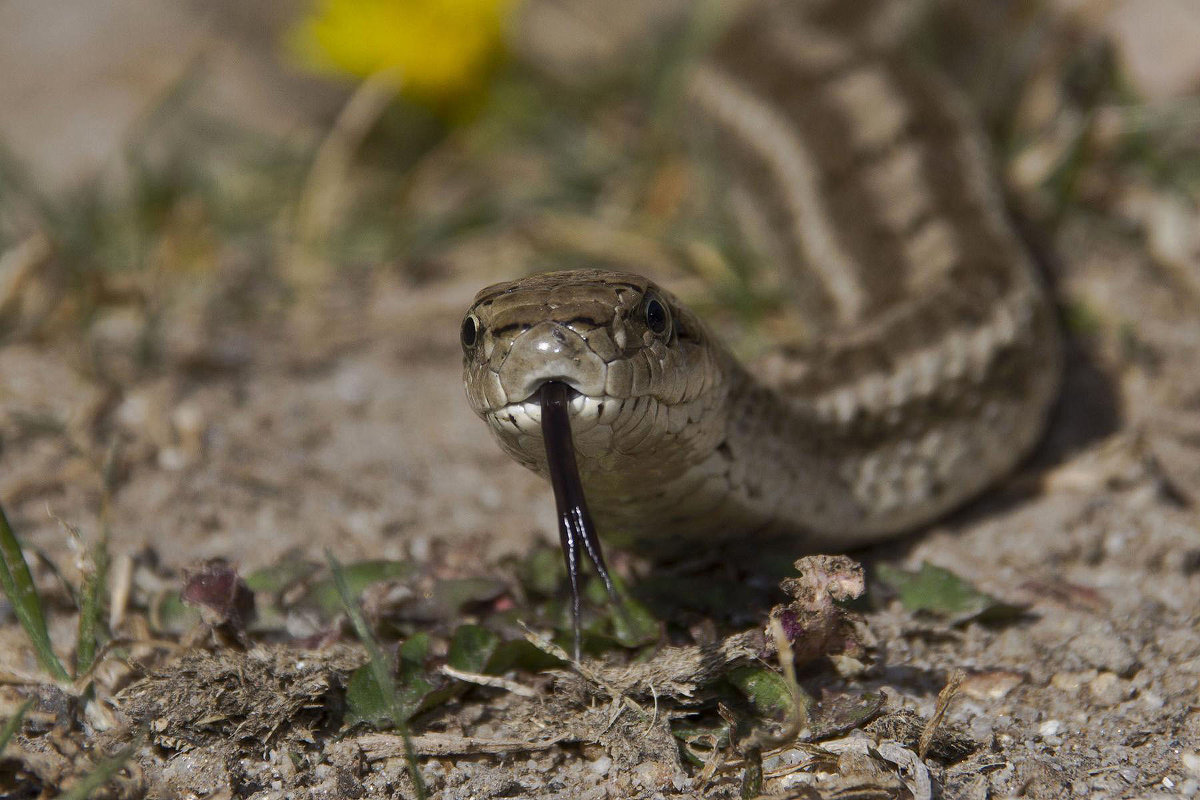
{"x": 101, "y": 774}
{"x": 90, "y": 607}
{"x": 382, "y": 668}
{"x": 27, "y": 605}
{"x": 14, "y": 722}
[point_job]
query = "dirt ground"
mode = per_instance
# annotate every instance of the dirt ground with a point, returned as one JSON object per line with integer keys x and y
{"x": 213, "y": 402}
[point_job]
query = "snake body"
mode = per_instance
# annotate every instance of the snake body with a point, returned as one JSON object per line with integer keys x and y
{"x": 865, "y": 181}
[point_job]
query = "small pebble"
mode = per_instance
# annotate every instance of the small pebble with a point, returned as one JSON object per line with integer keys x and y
{"x": 645, "y": 774}
{"x": 173, "y": 459}
{"x": 188, "y": 420}
{"x": 991, "y": 685}
{"x": 133, "y": 412}
{"x": 353, "y": 387}
{"x": 1191, "y": 761}
{"x": 1172, "y": 237}
{"x": 1050, "y": 727}
{"x": 601, "y": 765}
{"x": 420, "y": 548}
{"x": 1072, "y": 681}
{"x": 1107, "y": 689}
{"x": 981, "y": 728}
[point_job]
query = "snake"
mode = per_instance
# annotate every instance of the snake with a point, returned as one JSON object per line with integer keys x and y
{"x": 863, "y": 179}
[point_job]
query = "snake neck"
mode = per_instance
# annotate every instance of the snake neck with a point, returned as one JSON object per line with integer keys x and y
{"x": 762, "y": 468}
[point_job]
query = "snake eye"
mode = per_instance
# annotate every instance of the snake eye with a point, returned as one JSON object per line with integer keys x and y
{"x": 469, "y": 332}
{"x": 658, "y": 319}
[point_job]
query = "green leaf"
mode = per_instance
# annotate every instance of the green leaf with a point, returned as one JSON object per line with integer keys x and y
{"x": 520, "y": 654}
{"x": 412, "y": 688}
{"x": 451, "y": 595}
{"x": 700, "y": 736}
{"x": 542, "y": 571}
{"x": 628, "y": 623}
{"x": 27, "y": 605}
{"x": 270, "y": 585}
{"x": 169, "y": 614}
{"x": 413, "y": 684}
{"x": 472, "y": 648}
{"x": 278, "y": 577}
{"x": 633, "y": 624}
{"x": 939, "y": 591}
{"x": 768, "y": 691}
{"x": 13, "y": 725}
{"x": 365, "y": 699}
{"x": 356, "y": 577}
{"x": 415, "y": 649}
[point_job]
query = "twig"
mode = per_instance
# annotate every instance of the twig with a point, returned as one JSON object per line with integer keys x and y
{"x": 120, "y": 589}
{"x": 493, "y": 681}
{"x": 587, "y": 673}
{"x": 380, "y": 746}
{"x": 798, "y": 718}
{"x": 943, "y": 702}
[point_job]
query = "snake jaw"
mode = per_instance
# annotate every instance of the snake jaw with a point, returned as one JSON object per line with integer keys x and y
{"x": 519, "y": 425}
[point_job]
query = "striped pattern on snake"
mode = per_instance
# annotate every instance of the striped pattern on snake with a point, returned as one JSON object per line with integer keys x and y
{"x": 866, "y": 181}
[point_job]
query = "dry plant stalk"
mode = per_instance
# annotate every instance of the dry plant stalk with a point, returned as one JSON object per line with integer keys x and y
{"x": 943, "y": 703}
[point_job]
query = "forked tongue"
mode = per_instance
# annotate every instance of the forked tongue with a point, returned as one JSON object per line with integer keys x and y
{"x": 575, "y": 526}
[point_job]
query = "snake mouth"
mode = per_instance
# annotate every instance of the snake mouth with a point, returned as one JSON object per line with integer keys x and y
{"x": 559, "y": 387}
{"x": 525, "y": 416}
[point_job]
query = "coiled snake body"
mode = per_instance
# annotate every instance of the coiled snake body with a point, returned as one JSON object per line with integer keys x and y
{"x": 867, "y": 183}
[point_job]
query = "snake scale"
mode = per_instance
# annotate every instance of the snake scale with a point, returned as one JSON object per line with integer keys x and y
{"x": 866, "y": 182}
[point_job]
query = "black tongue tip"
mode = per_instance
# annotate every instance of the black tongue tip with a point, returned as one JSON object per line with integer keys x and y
{"x": 575, "y": 525}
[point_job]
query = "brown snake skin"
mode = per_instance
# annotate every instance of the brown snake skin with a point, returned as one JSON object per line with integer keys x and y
{"x": 865, "y": 181}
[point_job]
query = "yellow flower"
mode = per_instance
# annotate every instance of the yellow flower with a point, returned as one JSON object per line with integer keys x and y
{"x": 441, "y": 51}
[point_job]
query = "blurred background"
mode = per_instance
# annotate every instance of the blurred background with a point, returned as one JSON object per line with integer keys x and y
{"x": 236, "y": 239}
{"x": 236, "y": 242}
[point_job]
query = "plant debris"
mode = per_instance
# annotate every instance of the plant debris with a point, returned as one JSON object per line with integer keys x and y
{"x": 222, "y": 596}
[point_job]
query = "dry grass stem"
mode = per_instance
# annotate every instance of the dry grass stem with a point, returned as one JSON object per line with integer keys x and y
{"x": 943, "y": 703}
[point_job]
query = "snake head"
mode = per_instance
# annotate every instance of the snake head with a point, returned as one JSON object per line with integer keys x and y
{"x": 642, "y": 369}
